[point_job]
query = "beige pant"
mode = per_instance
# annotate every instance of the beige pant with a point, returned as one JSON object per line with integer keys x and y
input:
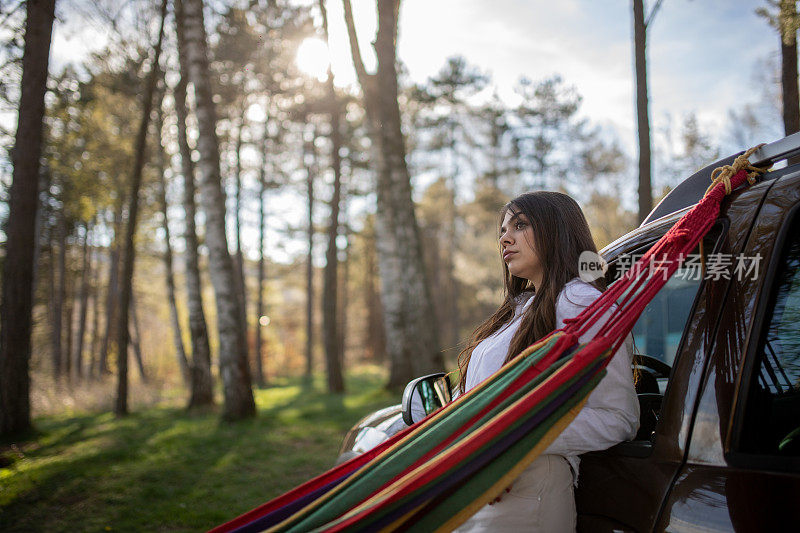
{"x": 541, "y": 499}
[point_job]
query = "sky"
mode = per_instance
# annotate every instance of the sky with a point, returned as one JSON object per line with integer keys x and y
{"x": 705, "y": 56}
{"x": 702, "y": 54}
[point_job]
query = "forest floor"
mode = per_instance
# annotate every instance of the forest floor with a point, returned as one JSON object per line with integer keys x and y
{"x": 164, "y": 469}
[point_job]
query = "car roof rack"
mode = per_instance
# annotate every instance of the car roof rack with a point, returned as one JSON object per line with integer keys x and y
{"x": 690, "y": 190}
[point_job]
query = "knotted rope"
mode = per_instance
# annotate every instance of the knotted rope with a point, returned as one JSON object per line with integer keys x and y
{"x": 724, "y": 173}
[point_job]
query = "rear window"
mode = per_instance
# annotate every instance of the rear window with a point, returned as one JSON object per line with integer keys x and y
{"x": 772, "y": 416}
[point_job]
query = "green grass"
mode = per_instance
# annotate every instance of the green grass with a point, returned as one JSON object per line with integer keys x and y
{"x": 163, "y": 469}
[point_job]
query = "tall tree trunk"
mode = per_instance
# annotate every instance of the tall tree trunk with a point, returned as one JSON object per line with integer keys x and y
{"x": 15, "y": 309}
{"x": 56, "y": 273}
{"x": 343, "y": 298}
{"x": 112, "y": 291}
{"x": 309, "y": 157}
{"x": 77, "y": 366}
{"x": 238, "y": 392}
{"x": 94, "y": 343}
{"x": 62, "y": 303}
{"x": 121, "y": 404}
{"x": 330, "y": 293}
{"x": 376, "y": 331}
{"x": 177, "y": 335}
{"x": 241, "y": 281}
{"x": 55, "y": 320}
{"x": 454, "y": 320}
{"x": 330, "y": 296}
{"x": 642, "y": 112}
{"x": 262, "y": 228}
{"x": 411, "y": 329}
{"x": 202, "y": 388}
{"x": 791, "y": 99}
{"x": 136, "y": 341}
{"x": 69, "y": 326}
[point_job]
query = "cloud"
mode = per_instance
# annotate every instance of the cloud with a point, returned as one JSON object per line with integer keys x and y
{"x": 700, "y": 53}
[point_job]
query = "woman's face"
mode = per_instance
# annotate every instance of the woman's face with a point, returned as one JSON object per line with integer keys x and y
{"x": 516, "y": 244}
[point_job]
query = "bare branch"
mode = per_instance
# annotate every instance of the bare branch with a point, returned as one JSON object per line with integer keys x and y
{"x": 355, "y": 51}
{"x": 653, "y": 13}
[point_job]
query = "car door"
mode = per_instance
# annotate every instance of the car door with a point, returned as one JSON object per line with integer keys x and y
{"x": 624, "y": 488}
{"x": 735, "y": 477}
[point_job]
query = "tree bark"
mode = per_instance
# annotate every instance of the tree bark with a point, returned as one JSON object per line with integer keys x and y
{"x": 177, "y": 335}
{"x": 77, "y": 366}
{"x": 123, "y": 334}
{"x": 262, "y": 228}
{"x": 93, "y": 345}
{"x": 330, "y": 293}
{"x": 67, "y": 300}
{"x": 642, "y": 112}
{"x": 112, "y": 291}
{"x": 451, "y": 293}
{"x": 376, "y": 329}
{"x": 55, "y": 325}
{"x": 238, "y": 393}
{"x": 136, "y": 341}
{"x": 791, "y": 99}
{"x": 58, "y": 262}
{"x": 343, "y": 298}
{"x": 241, "y": 281}
{"x": 309, "y": 157}
{"x": 202, "y": 388}
{"x": 17, "y": 297}
{"x": 412, "y": 341}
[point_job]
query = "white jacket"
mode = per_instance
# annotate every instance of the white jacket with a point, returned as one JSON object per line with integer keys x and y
{"x": 611, "y": 413}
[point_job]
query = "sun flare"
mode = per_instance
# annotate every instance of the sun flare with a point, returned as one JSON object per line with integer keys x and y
{"x": 313, "y": 58}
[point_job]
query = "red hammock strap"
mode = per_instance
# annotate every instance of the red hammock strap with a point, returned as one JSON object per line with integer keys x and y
{"x": 623, "y": 302}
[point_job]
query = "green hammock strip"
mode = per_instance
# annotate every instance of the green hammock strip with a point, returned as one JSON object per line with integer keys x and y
{"x": 374, "y": 475}
{"x": 476, "y": 485}
{"x": 376, "y": 512}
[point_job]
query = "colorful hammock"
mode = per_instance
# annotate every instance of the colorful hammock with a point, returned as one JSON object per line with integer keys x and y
{"x": 436, "y": 474}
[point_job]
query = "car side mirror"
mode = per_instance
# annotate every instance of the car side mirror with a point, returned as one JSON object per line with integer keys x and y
{"x": 424, "y": 395}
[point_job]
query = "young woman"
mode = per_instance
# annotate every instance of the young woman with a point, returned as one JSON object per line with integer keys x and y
{"x": 542, "y": 234}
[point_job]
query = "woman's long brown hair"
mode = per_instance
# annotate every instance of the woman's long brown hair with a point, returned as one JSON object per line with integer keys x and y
{"x": 560, "y": 234}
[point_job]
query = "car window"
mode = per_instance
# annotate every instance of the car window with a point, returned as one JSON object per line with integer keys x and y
{"x": 658, "y": 331}
{"x": 772, "y": 420}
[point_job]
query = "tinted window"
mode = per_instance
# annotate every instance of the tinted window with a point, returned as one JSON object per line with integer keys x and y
{"x": 773, "y": 407}
{"x": 658, "y": 331}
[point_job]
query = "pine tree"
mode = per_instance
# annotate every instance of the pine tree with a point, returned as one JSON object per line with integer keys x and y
{"x": 15, "y": 309}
